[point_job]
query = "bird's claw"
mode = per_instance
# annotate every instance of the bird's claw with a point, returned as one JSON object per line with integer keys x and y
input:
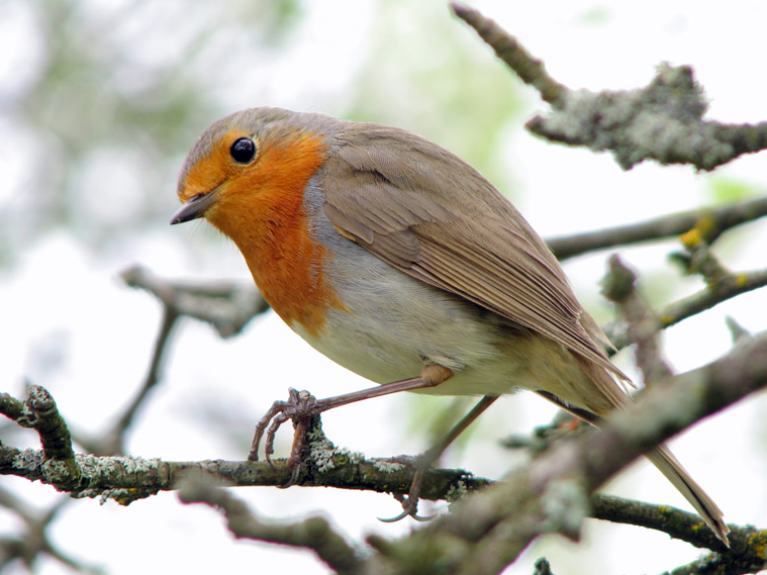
{"x": 301, "y": 406}
{"x": 410, "y": 501}
{"x": 409, "y": 509}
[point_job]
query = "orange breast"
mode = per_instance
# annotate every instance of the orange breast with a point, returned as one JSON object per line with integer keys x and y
{"x": 262, "y": 211}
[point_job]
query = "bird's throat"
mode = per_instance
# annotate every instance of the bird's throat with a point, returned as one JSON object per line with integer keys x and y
{"x": 264, "y": 214}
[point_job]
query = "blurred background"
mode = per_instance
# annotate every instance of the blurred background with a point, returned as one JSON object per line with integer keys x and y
{"x": 100, "y": 100}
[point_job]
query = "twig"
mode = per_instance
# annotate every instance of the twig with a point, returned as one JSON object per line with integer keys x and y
{"x": 619, "y": 286}
{"x": 722, "y": 284}
{"x": 680, "y": 525}
{"x": 549, "y": 495}
{"x": 530, "y": 70}
{"x": 314, "y": 533}
{"x": 40, "y": 413}
{"x": 227, "y": 307}
{"x": 112, "y": 442}
{"x": 126, "y": 479}
{"x": 714, "y": 220}
{"x": 542, "y": 567}
{"x": 662, "y": 121}
{"x": 706, "y": 299}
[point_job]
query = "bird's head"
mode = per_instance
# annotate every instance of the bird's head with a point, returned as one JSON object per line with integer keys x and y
{"x": 252, "y": 166}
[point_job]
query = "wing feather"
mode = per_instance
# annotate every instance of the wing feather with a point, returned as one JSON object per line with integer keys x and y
{"x": 434, "y": 217}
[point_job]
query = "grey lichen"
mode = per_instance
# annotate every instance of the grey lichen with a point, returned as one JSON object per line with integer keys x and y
{"x": 457, "y": 492}
{"x": 30, "y": 459}
{"x": 27, "y": 417}
{"x": 565, "y": 504}
{"x": 663, "y": 121}
{"x": 353, "y": 457}
{"x": 387, "y": 466}
{"x": 321, "y": 451}
{"x": 56, "y": 471}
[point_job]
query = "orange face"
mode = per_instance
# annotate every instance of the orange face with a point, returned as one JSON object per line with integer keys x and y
{"x": 209, "y": 172}
{"x": 259, "y": 204}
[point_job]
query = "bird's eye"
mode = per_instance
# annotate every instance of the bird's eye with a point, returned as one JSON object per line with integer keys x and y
{"x": 243, "y": 150}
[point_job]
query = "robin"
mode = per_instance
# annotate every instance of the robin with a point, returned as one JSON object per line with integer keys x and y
{"x": 400, "y": 262}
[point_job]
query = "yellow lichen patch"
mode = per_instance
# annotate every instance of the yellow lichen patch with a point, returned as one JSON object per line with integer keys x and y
{"x": 741, "y": 280}
{"x": 690, "y": 239}
{"x": 666, "y": 320}
{"x": 758, "y": 544}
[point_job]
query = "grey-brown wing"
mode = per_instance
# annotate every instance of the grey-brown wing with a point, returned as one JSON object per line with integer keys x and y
{"x": 434, "y": 217}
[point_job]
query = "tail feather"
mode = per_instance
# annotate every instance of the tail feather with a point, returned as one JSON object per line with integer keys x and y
{"x": 669, "y": 466}
{"x": 607, "y": 394}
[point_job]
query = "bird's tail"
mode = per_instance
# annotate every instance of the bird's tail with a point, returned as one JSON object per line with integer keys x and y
{"x": 608, "y": 392}
{"x": 669, "y": 466}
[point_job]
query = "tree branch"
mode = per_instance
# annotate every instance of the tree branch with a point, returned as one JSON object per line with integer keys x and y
{"x": 40, "y": 413}
{"x": 619, "y": 286}
{"x": 551, "y": 494}
{"x": 530, "y": 70}
{"x": 714, "y": 220}
{"x": 113, "y": 441}
{"x": 314, "y": 533}
{"x": 227, "y": 307}
{"x": 746, "y": 542}
{"x": 663, "y": 121}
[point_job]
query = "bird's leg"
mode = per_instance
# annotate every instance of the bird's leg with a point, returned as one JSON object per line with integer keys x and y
{"x": 302, "y": 406}
{"x": 427, "y": 459}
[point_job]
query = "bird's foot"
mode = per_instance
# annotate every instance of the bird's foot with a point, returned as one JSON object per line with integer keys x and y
{"x": 300, "y": 407}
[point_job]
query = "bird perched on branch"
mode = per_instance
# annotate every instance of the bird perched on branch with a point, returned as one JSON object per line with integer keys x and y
{"x": 402, "y": 263}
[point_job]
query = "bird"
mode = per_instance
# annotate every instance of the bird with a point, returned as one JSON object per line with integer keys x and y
{"x": 401, "y": 262}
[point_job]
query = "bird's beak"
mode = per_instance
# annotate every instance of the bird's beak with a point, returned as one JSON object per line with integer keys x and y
{"x": 194, "y": 208}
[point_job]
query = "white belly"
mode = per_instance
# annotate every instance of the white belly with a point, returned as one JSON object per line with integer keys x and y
{"x": 393, "y": 325}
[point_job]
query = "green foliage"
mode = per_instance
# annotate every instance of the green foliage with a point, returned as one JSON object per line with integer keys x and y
{"x": 726, "y": 191}
{"x": 429, "y": 74}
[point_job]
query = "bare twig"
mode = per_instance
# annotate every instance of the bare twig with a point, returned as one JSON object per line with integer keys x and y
{"x": 722, "y": 284}
{"x": 732, "y": 286}
{"x": 549, "y": 495}
{"x": 714, "y": 220}
{"x": 227, "y": 307}
{"x": 112, "y": 442}
{"x": 34, "y": 542}
{"x": 619, "y": 286}
{"x": 314, "y": 533}
{"x": 680, "y": 525}
{"x": 530, "y": 70}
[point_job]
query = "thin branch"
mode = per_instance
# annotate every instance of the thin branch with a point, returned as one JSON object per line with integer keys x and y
{"x": 227, "y": 307}
{"x": 40, "y": 413}
{"x": 721, "y": 284}
{"x": 619, "y": 286}
{"x": 112, "y": 442}
{"x": 126, "y": 479}
{"x": 732, "y": 286}
{"x": 745, "y": 541}
{"x": 314, "y": 533}
{"x": 714, "y": 220}
{"x": 530, "y": 70}
{"x": 662, "y": 121}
